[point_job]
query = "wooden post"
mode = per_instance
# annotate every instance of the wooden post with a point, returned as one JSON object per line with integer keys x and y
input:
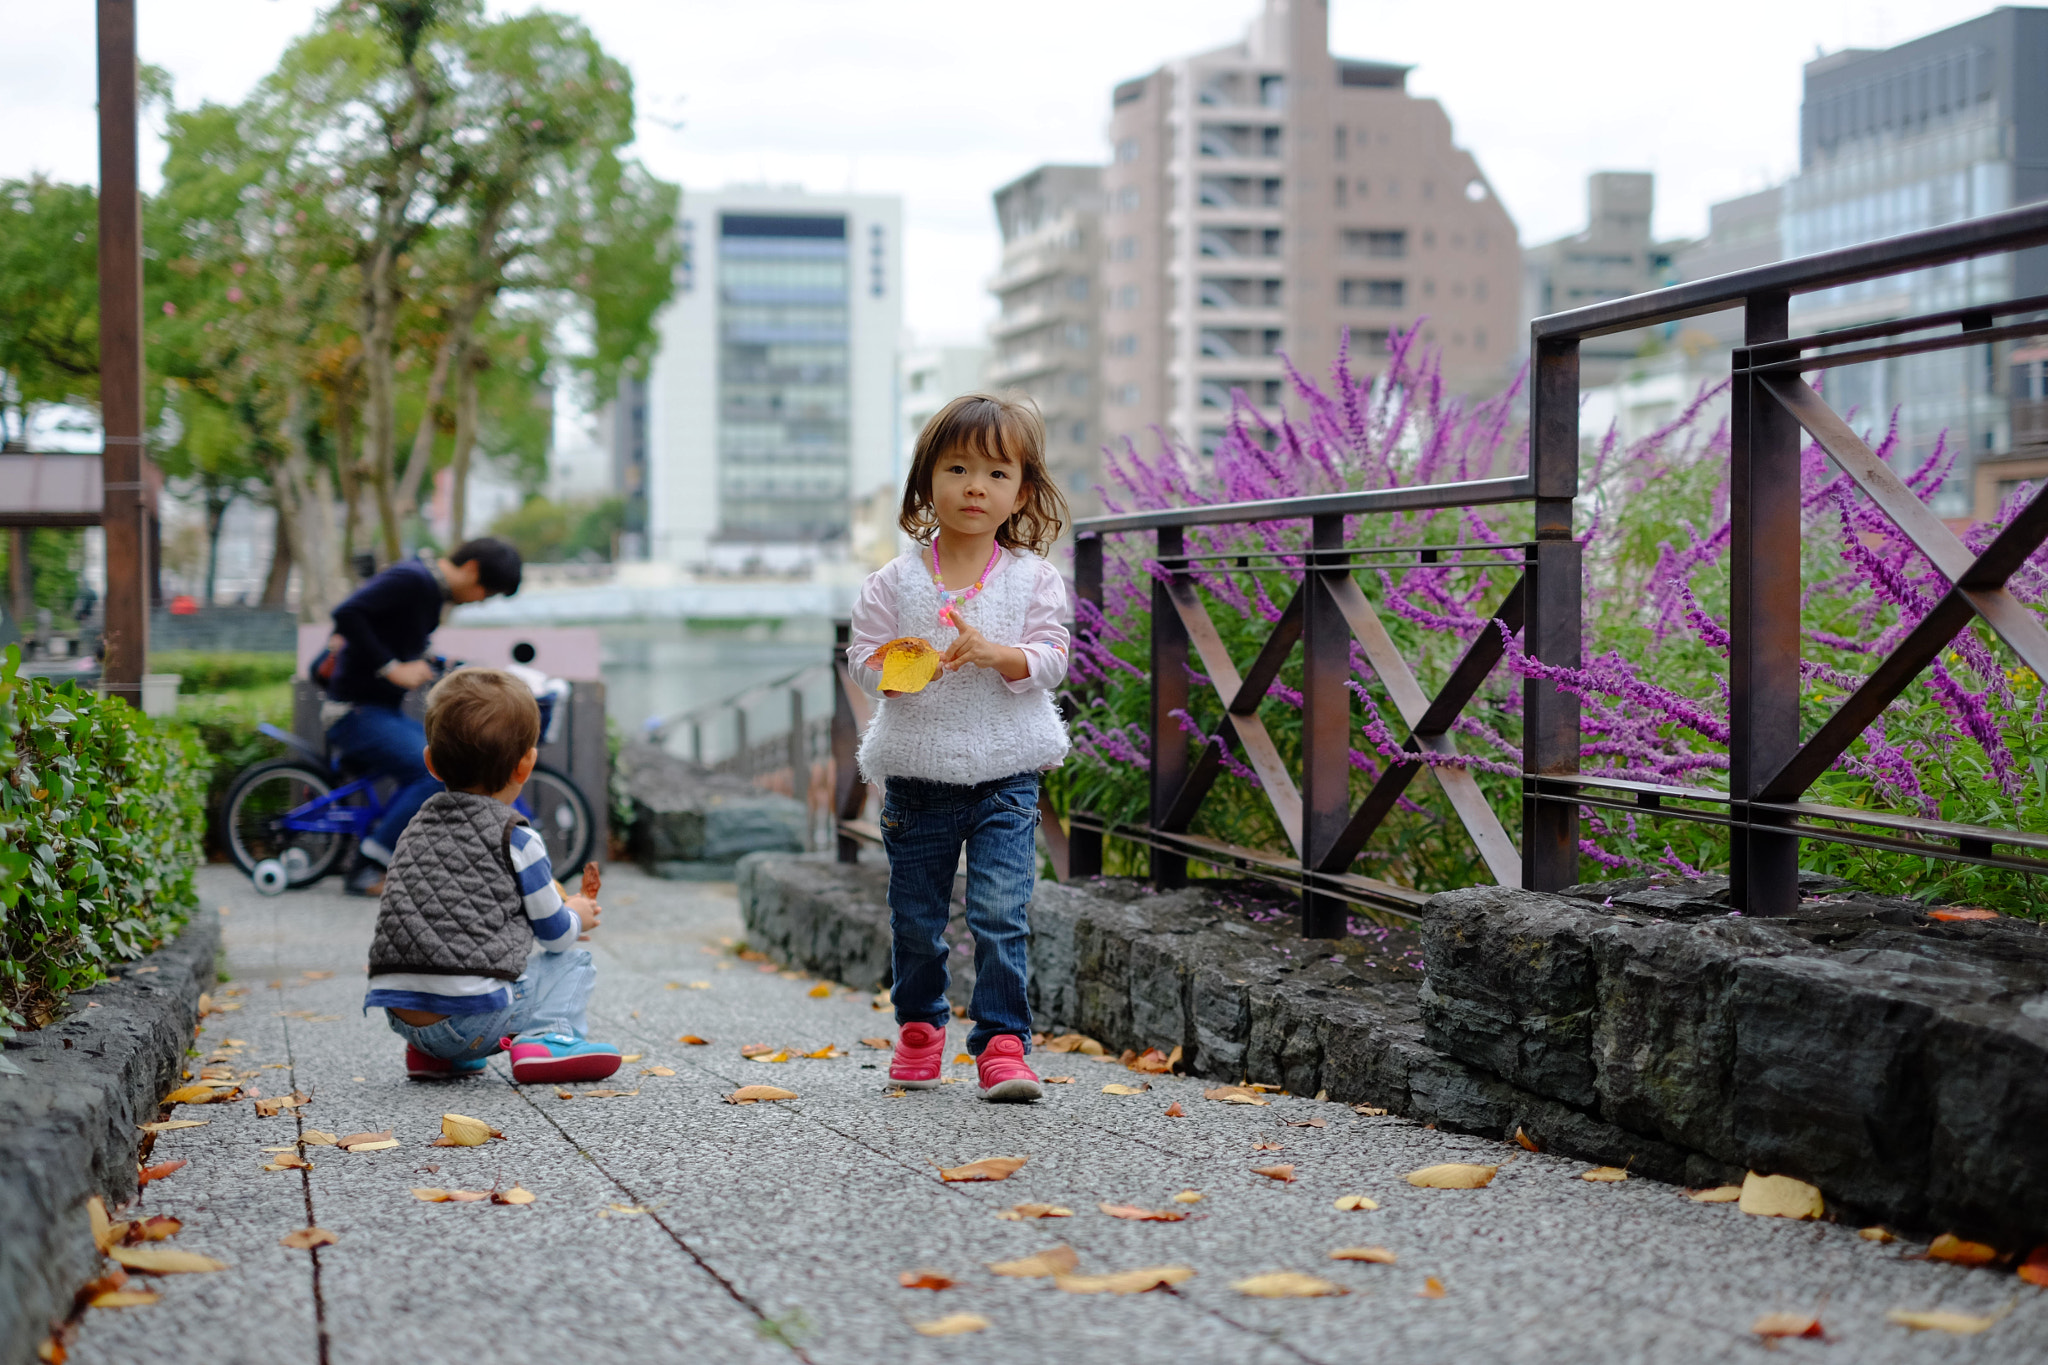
{"x": 124, "y": 508}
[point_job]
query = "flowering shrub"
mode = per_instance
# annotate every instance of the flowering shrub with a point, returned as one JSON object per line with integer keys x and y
{"x": 1965, "y": 742}
{"x": 101, "y": 816}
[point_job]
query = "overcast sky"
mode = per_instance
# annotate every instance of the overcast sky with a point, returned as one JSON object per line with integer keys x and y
{"x": 941, "y": 101}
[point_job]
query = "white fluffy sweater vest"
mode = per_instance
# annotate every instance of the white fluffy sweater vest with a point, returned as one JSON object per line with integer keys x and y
{"x": 965, "y": 727}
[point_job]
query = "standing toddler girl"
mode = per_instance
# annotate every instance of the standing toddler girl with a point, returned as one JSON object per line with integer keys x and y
{"x": 959, "y": 756}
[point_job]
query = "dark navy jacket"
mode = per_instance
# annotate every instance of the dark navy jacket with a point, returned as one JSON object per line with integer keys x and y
{"x": 389, "y": 617}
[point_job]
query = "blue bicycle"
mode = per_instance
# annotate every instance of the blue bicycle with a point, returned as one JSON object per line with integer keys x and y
{"x": 289, "y": 820}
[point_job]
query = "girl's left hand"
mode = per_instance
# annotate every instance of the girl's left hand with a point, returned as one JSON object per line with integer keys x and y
{"x": 972, "y": 647}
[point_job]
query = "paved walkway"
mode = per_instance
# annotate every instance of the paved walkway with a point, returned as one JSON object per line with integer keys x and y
{"x": 670, "y": 1225}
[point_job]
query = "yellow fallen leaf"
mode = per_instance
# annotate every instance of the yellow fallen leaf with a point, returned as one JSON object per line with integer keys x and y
{"x": 820, "y": 991}
{"x": 313, "y": 1137}
{"x": 1453, "y": 1175}
{"x": 1377, "y": 1255}
{"x": 1287, "y": 1284}
{"x": 959, "y": 1324}
{"x": 933, "y": 1280}
{"x": 305, "y": 1239}
{"x": 1877, "y": 1235}
{"x": 1075, "y": 1042}
{"x": 104, "y": 1230}
{"x": 988, "y": 1168}
{"x": 125, "y": 1298}
{"x": 1602, "y": 1174}
{"x": 1787, "y": 1325}
{"x": 1962, "y": 1324}
{"x": 1347, "y": 1202}
{"x": 194, "y": 1094}
{"x": 1720, "y": 1194}
{"x": 1057, "y": 1260}
{"x": 657, "y": 1071}
{"x": 172, "y": 1125}
{"x": 908, "y": 665}
{"x": 1116, "y": 1089}
{"x": 878, "y": 1044}
{"x": 1284, "y": 1173}
{"x": 1059, "y": 1080}
{"x": 963, "y": 1060}
{"x": 1133, "y": 1213}
{"x": 518, "y": 1194}
{"x": 1139, "y": 1281}
{"x": 1953, "y": 1249}
{"x": 1525, "y": 1142}
{"x": 694, "y": 1041}
{"x": 1019, "y": 1212}
{"x": 781, "y": 1055}
{"x": 631, "y": 1057}
{"x": 164, "y": 1260}
{"x": 1234, "y": 1094}
{"x": 159, "y": 1228}
{"x": 289, "y": 1161}
{"x": 752, "y": 1094}
{"x": 1780, "y": 1196}
{"x": 463, "y": 1131}
{"x": 1188, "y": 1197}
{"x": 825, "y": 1053}
{"x": 1432, "y": 1288}
{"x": 383, "y": 1145}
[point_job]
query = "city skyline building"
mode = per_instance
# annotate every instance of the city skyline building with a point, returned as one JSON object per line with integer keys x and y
{"x": 771, "y": 401}
{"x": 1612, "y": 257}
{"x": 1263, "y": 197}
{"x": 1047, "y": 338}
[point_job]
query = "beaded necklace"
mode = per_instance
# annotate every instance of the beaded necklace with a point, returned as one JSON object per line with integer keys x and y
{"x": 948, "y": 597}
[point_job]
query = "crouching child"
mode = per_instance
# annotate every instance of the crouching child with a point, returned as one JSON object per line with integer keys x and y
{"x": 468, "y": 897}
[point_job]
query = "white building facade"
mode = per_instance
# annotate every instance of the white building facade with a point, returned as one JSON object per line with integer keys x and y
{"x": 771, "y": 402}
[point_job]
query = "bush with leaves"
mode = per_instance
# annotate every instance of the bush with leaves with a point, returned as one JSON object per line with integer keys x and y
{"x": 1966, "y": 742}
{"x": 101, "y": 815}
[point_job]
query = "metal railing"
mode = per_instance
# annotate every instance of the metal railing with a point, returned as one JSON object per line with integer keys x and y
{"x": 802, "y": 753}
{"x": 1770, "y": 767}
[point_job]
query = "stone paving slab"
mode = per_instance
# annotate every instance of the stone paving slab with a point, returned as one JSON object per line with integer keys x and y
{"x": 776, "y": 1232}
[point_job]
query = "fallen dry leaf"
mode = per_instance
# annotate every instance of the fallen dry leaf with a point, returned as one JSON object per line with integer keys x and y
{"x": 305, "y": 1239}
{"x": 988, "y": 1168}
{"x": 313, "y": 1137}
{"x": 753, "y": 1094}
{"x": 289, "y": 1161}
{"x": 460, "y": 1130}
{"x": 959, "y": 1324}
{"x": 1075, "y": 1042}
{"x": 1287, "y": 1284}
{"x": 1780, "y": 1196}
{"x": 631, "y": 1057}
{"x": 1133, "y": 1213}
{"x": 1370, "y": 1111}
{"x": 562, "y": 1094}
{"x": 694, "y": 1041}
{"x": 104, "y": 1231}
{"x": 518, "y": 1194}
{"x": 757, "y": 1049}
{"x": 781, "y": 1055}
{"x": 819, "y": 991}
{"x": 1018, "y": 1213}
{"x": 607, "y": 1094}
{"x": 1604, "y": 1174}
{"x": 2034, "y": 1270}
{"x": 1152, "y": 1062}
{"x": 1377, "y": 1255}
{"x": 1878, "y": 1235}
{"x": 272, "y": 1107}
{"x": 1525, "y": 1142}
{"x": 172, "y": 1125}
{"x": 124, "y": 1298}
{"x": 431, "y": 1195}
{"x": 1174, "y": 1111}
{"x": 1284, "y": 1173}
{"x": 1188, "y": 1197}
{"x": 1059, "y": 1080}
{"x": 1308, "y": 1123}
{"x": 1962, "y": 1324}
{"x": 1269, "y": 1147}
{"x": 963, "y": 1059}
{"x": 1115, "y": 1089}
{"x": 164, "y": 1260}
{"x": 1347, "y": 1202}
{"x": 1962, "y": 912}
{"x": 145, "y": 1174}
{"x": 657, "y": 1071}
{"x": 1234, "y": 1094}
{"x": 1786, "y": 1325}
{"x": 1125, "y": 1281}
{"x": 1720, "y": 1194}
{"x": 1953, "y": 1249}
{"x": 925, "y": 1279}
{"x": 1432, "y": 1288}
{"x": 155, "y": 1229}
{"x": 825, "y": 1053}
{"x": 196, "y": 1094}
{"x": 878, "y": 1044}
{"x": 1057, "y": 1260}
{"x": 1453, "y": 1175}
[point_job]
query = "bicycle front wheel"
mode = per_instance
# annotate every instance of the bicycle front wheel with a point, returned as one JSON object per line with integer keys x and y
{"x": 254, "y": 812}
{"x": 556, "y": 808}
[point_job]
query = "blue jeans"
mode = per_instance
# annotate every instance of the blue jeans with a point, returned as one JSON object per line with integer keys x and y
{"x": 382, "y": 741}
{"x": 551, "y": 996}
{"x": 924, "y": 825}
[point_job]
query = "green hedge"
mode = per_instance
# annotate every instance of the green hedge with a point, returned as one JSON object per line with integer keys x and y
{"x": 101, "y": 815}
{"x": 205, "y": 670}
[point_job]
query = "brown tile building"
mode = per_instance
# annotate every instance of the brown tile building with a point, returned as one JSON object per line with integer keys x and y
{"x": 1261, "y": 198}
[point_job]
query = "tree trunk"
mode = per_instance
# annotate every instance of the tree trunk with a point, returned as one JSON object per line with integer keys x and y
{"x": 278, "y": 582}
{"x": 218, "y": 500}
{"x": 466, "y": 403}
{"x": 408, "y": 498}
{"x": 305, "y": 500}
{"x": 380, "y": 383}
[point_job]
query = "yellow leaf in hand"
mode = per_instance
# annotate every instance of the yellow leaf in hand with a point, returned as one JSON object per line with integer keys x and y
{"x": 908, "y": 665}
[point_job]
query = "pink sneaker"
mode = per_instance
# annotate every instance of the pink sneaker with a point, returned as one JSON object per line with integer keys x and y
{"x": 1004, "y": 1075}
{"x": 920, "y": 1052}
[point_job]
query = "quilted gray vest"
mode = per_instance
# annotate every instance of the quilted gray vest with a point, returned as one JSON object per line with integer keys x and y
{"x": 451, "y": 904}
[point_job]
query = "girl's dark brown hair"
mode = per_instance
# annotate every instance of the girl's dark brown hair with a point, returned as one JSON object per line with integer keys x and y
{"x": 1002, "y": 429}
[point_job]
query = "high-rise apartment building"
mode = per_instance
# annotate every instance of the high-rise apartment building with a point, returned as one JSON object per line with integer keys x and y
{"x": 771, "y": 406}
{"x": 1262, "y": 198}
{"x": 1047, "y": 338}
{"x": 1946, "y": 127}
{"x": 1614, "y": 256}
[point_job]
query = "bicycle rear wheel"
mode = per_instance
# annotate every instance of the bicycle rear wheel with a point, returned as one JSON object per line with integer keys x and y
{"x": 259, "y": 800}
{"x": 556, "y": 808}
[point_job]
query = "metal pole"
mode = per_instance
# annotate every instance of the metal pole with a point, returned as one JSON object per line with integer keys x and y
{"x": 120, "y": 270}
{"x": 1325, "y": 726}
{"x": 1550, "y": 716}
{"x": 1084, "y": 846}
{"x": 799, "y": 755}
{"x": 743, "y": 760}
{"x": 1169, "y": 694}
{"x": 848, "y": 794}
{"x": 1763, "y": 610}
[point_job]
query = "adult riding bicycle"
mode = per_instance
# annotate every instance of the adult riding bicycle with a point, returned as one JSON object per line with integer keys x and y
{"x": 289, "y": 820}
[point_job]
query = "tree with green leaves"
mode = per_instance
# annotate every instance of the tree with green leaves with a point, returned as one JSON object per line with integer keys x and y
{"x": 49, "y": 298}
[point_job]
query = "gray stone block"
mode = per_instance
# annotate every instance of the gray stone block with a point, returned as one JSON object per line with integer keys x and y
{"x": 687, "y": 814}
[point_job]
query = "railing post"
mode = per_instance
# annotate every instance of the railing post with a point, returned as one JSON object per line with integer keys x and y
{"x": 1169, "y": 694}
{"x": 743, "y": 759}
{"x": 1763, "y": 611}
{"x": 1550, "y": 716}
{"x": 1084, "y": 846}
{"x": 1325, "y": 724}
{"x": 697, "y": 742}
{"x": 799, "y": 757}
{"x": 125, "y": 459}
{"x": 848, "y": 795}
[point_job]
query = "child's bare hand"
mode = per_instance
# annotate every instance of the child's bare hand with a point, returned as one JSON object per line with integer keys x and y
{"x": 587, "y": 910}
{"x": 973, "y": 648}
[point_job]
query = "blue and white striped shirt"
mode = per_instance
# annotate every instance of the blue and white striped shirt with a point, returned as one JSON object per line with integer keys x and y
{"x": 555, "y": 928}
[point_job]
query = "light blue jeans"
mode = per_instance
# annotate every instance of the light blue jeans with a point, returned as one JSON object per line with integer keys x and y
{"x": 551, "y": 996}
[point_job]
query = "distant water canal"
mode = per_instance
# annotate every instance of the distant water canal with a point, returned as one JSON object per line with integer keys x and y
{"x": 663, "y": 668}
